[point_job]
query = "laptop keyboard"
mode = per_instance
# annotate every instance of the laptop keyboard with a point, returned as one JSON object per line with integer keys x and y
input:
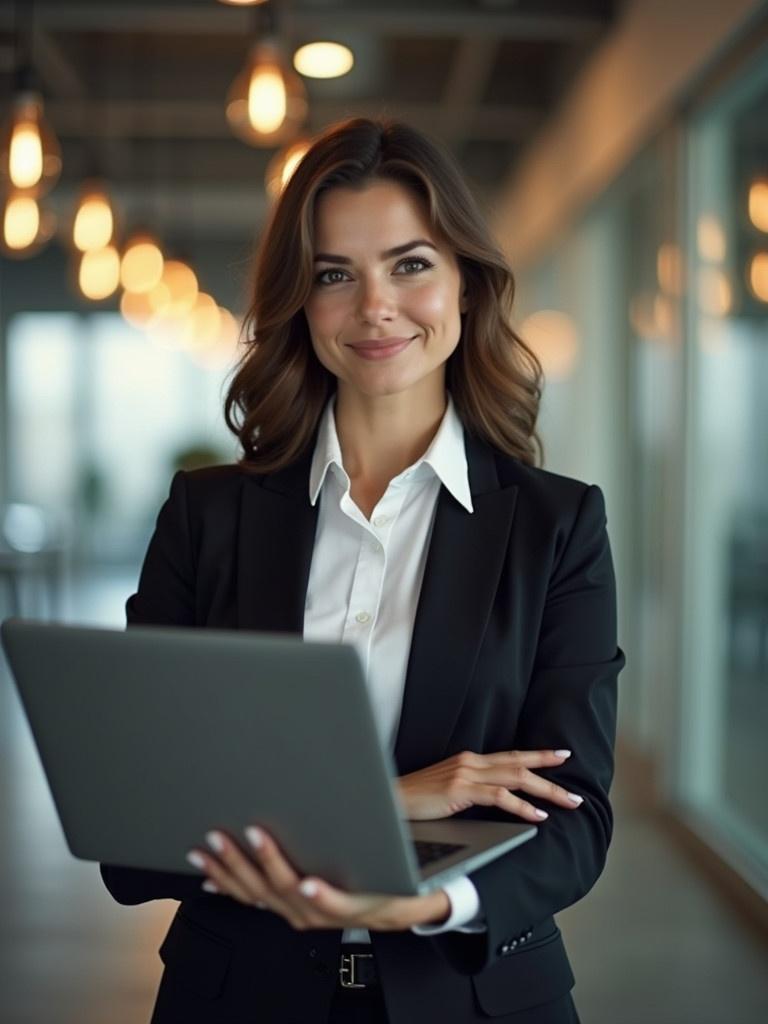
{"x": 427, "y": 852}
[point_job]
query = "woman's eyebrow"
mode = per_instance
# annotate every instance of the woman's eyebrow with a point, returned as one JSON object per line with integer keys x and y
{"x": 396, "y": 251}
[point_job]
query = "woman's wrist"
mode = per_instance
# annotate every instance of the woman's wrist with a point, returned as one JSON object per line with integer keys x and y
{"x": 442, "y": 908}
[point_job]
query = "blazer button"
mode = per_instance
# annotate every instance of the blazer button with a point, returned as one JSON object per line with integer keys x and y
{"x": 513, "y": 944}
{"x": 501, "y": 950}
{"x": 528, "y": 934}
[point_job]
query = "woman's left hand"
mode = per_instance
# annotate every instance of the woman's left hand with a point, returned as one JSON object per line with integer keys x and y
{"x": 267, "y": 880}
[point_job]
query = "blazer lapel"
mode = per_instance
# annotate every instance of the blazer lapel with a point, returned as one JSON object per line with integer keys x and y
{"x": 464, "y": 561}
{"x": 276, "y": 538}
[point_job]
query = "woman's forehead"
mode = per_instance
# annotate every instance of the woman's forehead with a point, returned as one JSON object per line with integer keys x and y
{"x": 384, "y": 214}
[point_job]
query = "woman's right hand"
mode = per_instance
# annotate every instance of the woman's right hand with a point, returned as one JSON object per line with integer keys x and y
{"x": 466, "y": 779}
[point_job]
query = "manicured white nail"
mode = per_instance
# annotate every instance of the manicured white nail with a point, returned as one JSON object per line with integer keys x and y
{"x": 215, "y": 840}
{"x": 196, "y": 860}
{"x": 562, "y": 753}
{"x": 308, "y": 887}
{"x": 574, "y": 798}
{"x": 541, "y": 814}
{"x": 255, "y": 836}
{"x": 209, "y": 886}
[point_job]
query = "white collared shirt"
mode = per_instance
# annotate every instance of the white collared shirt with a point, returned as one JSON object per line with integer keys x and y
{"x": 365, "y": 580}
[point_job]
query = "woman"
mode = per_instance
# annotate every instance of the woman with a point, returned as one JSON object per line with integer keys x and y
{"x": 388, "y": 496}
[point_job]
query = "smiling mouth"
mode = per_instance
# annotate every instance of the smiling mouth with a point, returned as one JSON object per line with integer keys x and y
{"x": 381, "y": 349}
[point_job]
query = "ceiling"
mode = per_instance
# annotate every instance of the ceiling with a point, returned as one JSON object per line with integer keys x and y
{"x": 139, "y": 88}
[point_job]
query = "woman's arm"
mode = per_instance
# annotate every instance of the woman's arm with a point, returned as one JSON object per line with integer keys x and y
{"x": 570, "y": 702}
{"x": 165, "y": 597}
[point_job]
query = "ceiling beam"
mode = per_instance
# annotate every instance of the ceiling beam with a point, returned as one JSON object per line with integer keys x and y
{"x": 392, "y": 19}
{"x": 173, "y": 119}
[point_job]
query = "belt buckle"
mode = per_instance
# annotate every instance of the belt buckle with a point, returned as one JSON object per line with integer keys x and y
{"x": 347, "y": 969}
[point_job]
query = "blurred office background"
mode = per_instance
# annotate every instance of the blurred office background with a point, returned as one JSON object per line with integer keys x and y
{"x": 620, "y": 150}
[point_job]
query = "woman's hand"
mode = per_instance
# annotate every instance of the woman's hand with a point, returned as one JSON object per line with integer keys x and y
{"x": 466, "y": 779}
{"x": 265, "y": 879}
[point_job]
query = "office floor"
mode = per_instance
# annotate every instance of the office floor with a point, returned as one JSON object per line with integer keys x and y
{"x": 652, "y": 941}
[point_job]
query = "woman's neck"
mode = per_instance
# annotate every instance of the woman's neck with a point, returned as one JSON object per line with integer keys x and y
{"x": 381, "y": 436}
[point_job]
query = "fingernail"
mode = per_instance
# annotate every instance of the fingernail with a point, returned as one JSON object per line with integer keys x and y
{"x": 255, "y": 836}
{"x": 562, "y": 753}
{"x": 574, "y": 798}
{"x": 195, "y": 859}
{"x": 215, "y": 841}
{"x": 541, "y": 814}
{"x": 209, "y": 886}
{"x": 308, "y": 887}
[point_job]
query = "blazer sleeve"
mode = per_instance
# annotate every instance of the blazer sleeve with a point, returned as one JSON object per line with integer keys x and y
{"x": 165, "y": 597}
{"x": 570, "y": 702}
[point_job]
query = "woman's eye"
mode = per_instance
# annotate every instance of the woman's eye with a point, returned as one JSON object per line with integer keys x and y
{"x": 421, "y": 264}
{"x": 322, "y": 279}
{"x": 425, "y": 264}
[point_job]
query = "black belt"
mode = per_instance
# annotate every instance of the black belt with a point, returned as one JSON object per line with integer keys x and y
{"x": 357, "y": 967}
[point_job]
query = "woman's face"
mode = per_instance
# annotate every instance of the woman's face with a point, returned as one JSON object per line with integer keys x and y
{"x": 382, "y": 321}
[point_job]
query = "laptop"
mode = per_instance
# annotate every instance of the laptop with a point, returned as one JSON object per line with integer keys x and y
{"x": 151, "y": 736}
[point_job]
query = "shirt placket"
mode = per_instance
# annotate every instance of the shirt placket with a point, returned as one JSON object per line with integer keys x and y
{"x": 370, "y": 568}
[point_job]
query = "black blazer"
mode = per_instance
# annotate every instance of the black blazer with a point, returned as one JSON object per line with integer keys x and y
{"x": 514, "y": 647}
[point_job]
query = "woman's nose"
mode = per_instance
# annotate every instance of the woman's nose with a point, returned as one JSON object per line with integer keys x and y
{"x": 376, "y": 300}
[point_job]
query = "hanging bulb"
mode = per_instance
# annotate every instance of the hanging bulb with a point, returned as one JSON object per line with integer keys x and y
{"x": 142, "y": 264}
{"x": 282, "y": 165}
{"x": 94, "y": 221}
{"x": 99, "y": 272}
{"x": 323, "y": 60}
{"x": 30, "y": 156}
{"x": 757, "y": 202}
{"x": 266, "y": 104}
{"x": 25, "y": 227}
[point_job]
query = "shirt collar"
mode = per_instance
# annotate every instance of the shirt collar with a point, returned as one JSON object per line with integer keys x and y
{"x": 446, "y": 456}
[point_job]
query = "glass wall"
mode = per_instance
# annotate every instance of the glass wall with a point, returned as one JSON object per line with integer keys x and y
{"x": 725, "y": 698}
{"x": 656, "y": 351}
{"x": 99, "y": 416}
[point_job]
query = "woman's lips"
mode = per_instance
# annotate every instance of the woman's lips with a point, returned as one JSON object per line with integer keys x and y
{"x": 378, "y": 351}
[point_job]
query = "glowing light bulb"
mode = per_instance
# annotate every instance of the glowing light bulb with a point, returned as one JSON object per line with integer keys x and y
{"x": 21, "y": 222}
{"x": 30, "y": 157}
{"x": 323, "y": 60}
{"x": 758, "y": 276}
{"x": 25, "y": 159}
{"x": 142, "y": 264}
{"x": 94, "y": 222}
{"x": 99, "y": 273}
{"x": 266, "y": 103}
{"x": 758, "y": 203}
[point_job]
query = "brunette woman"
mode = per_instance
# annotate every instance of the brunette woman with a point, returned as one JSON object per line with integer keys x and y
{"x": 388, "y": 495}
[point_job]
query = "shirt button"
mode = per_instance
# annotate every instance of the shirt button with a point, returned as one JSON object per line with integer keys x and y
{"x": 363, "y": 617}
{"x": 380, "y": 520}
{"x": 377, "y": 548}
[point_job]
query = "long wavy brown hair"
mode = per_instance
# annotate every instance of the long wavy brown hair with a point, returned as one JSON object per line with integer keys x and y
{"x": 279, "y": 387}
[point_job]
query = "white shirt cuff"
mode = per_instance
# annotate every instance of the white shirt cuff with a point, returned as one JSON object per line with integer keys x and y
{"x": 466, "y": 914}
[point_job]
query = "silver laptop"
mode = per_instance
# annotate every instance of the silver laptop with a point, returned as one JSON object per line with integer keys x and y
{"x": 152, "y": 736}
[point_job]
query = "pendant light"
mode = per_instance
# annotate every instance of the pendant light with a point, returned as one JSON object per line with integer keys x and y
{"x": 94, "y": 220}
{"x": 25, "y": 227}
{"x": 266, "y": 103}
{"x": 30, "y": 155}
